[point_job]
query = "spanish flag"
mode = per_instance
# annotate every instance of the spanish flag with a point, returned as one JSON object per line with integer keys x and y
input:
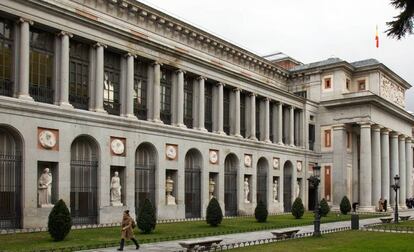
{"x": 376, "y": 38}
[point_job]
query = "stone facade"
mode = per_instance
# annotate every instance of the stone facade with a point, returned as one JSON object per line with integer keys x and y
{"x": 251, "y": 126}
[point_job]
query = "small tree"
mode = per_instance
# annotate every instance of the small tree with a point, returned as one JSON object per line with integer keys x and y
{"x": 260, "y": 213}
{"x": 324, "y": 208}
{"x": 297, "y": 208}
{"x": 214, "y": 213}
{"x": 345, "y": 205}
{"x": 59, "y": 222}
{"x": 146, "y": 217}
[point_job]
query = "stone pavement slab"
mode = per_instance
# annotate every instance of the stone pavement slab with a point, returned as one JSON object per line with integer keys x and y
{"x": 170, "y": 246}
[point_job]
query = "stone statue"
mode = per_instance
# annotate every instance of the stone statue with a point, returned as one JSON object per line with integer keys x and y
{"x": 275, "y": 190}
{"x": 116, "y": 190}
{"x": 211, "y": 187}
{"x": 45, "y": 189}
{"x": 298, "y": 189}
{"x": 169, "y": 187}
{"x": 246, "y": 190}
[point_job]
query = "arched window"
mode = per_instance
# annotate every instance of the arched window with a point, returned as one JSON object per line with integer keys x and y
{"x": 145, "y": 165}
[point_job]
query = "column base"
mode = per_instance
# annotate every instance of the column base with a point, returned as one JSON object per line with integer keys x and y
{"x": 156, "y": 121}
{"x": 130, "y": 116}
{"x": 180, "y": 125}
{"x": 25, "y": 97}
{"x": 253, "y": 138}
{"x": 202, "y": 129}
{"x": 100, "y": 110}
{"x": 268, "y": 141}
{"x": 65, "y": 105}
{"x": 238, "y": 136}
{"x": 222, "y": 133}
{"x": 280, "y": 143}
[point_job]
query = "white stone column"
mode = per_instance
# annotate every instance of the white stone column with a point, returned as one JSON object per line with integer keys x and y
{"x": 64, "y": 70}
{"x": 267, "y": 120}
{"x": 201, "y": 103}
{"x": 156, "y": 92}
{"x": 366, "y": 168}
{"x": 99, "y": 78}
{"x": 274, "y": 122}
{"x": 237, "y": 112}
{"x": 24, "y": 71}
{"x": 180, "y": 99}
{"x": 376, "y": 165}
{"x": 292, "y": 126}
{"x": 339, "y": 190}
{"x": 220, "y": 108}
{"x": 409, "y": 167}
{"x": 129, "y": 87}
{"x": 280, "y": 124}
{"x": 403, "y": 171}
{"x": 385, "y": 164}
{"x": 393, "y": 162}
{"x": 252, "y": 116}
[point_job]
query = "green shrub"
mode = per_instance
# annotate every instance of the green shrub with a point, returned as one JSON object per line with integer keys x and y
{"x": 214, "y": 213}
{"x": 297, "y": 208}
{"x": 345, "y": 205}
{"x": 260, "y": 213}
{"x": 59, "y": 222}
{"x": 146, "y": 217}
{"x": 324, "y": 208}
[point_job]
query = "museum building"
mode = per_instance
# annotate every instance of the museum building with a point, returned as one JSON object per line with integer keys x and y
{"x": 122, "y": 102}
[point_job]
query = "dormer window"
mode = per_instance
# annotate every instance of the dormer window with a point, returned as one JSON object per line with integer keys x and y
{"x": 327, "y": 83}
{"x": 361, "y": 85}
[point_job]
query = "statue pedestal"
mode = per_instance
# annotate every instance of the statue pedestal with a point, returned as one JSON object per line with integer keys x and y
{"x": 47, "y": 205}
{"x": 116, "y": 204}
{"x": 171, "y": 200}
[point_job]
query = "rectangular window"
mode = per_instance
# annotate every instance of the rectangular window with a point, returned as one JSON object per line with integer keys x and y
{"x": 6, "y": 57}
{"x": 140, "y": 89}
{"x": 188, "y": 101}
{"x": 328, "y": 183}
{"x": 328, "y": 138}
{"x": 112, "y": 68}
{"x": 208, "y": 109}
{"x": 41, "y": 65}
{"x": 361, "y": 85}
{"x": 243, "y": 114}
{"x": 327, "y": 83}
{"x": 348, "y": 84}
{"x": 311, "y": 137}
{"x": 165, "y": 101}
{"x": 79, "y": 75}
{"x": 226, "y": 110}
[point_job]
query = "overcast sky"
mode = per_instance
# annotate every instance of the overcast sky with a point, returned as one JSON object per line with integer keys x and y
{"x": 306, "y": 30}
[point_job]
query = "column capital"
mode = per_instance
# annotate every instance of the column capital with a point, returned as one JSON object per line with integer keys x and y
{"x": 409, "y": 140}
{"x": 218, "y": 84}
{"x": 201, "y": 77}
{"x": 402, "y": 137}
{"x": 98, "y": 44}
{"x": 385, "y": 131}
{"x": 376, "y": 127}
{"x": 340, "y": 126}
{"x": 128, "y": 54}
{"x": 365, "y": 124}
{"x": 65, "y": 33}
{"x": 252, "y": 94}
{"x": 156, "y": 63}
{"x": 266, "y": 99}
{"x": 394, "y": 134}
{"x": 178, "y": 71}
{"x": 237, "y": 89}
{"x": 25, "y": 20}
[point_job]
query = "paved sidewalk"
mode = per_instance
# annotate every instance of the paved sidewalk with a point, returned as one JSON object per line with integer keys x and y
{"x": 240, "y": 237}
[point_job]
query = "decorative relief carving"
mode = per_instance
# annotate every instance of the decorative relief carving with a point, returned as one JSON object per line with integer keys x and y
{"x": 213, "y": 156}
{"x": 171, "y": 151}
{"x": 276, "y": 163}
{"x": 48, "y": 139}
{"x": 392, "y": 92}
{"x": 247, "y": 160}
{"x": 117, "y": 146}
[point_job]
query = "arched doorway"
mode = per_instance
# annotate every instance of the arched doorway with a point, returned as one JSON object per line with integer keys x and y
{"x": 145, "y": 165}
{"x": 193, "y": 162}
{"x": 83, "y": 180}
{"x": 10, "y": 178}
{"x": 262, "y": 166}
{"x": 287, "y": 186}
{"x": 231, "y": 163}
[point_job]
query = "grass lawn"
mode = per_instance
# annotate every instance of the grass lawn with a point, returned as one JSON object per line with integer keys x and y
{"x": 94, "y": 237}
{"x": 401, "y": 224}
{"x": 342, "y": 242}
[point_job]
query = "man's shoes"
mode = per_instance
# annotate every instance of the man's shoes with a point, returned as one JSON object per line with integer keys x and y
{"x": 137, "y": 247}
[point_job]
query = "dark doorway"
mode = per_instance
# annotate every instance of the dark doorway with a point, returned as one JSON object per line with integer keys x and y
{"x": 230, "y": 185}
{"x": 193, "y": 184}
{"x": 287, "y": 186}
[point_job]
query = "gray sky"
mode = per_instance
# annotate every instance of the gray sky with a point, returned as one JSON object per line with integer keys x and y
{"x": 305, "y": 30}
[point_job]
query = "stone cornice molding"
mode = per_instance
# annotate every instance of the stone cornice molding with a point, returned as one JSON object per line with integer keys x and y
{"x": 173, "y": 28}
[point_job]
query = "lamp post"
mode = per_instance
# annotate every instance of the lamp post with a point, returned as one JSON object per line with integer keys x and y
{"x": 396, "y": 186}
{"x": 314, "y": 180}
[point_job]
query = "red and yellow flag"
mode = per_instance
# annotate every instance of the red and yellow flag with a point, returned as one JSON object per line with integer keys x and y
{"x": 376, "y": 37}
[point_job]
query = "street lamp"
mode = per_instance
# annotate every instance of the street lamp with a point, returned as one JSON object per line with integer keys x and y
{"x": 314, "y": 180}
{"x": 396, "y": 186}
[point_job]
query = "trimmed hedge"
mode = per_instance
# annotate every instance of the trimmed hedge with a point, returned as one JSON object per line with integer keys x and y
{"x": 214, "y": 213}
{"x": 260, "y": 212}
{"x": 297, "y": 208}
{"x": 146, "y": 217}
{"x": 325, "y": 209}
{"x": 60, "y": 222}
{"x": 345, "y": 205}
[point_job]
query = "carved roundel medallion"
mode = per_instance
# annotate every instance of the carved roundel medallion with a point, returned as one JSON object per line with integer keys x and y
{"x": 171, "y": 152}
{"x": 117, "y": 146}
{"x": 299, "y": 166}
{"x": 248, "y": 160}
{"x": 47, "y": 139}
{"x": 275, "y": 163}
{"x": 213, "y": 156}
